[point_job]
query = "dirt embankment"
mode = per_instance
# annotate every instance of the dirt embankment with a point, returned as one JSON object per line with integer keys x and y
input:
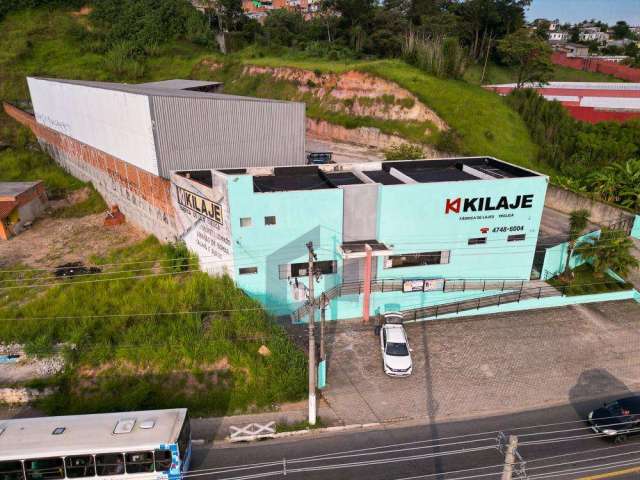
{"x": 356, "y": 93}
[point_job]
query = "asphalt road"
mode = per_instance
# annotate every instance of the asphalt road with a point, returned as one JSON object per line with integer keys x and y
{"x": 555, "y": 443}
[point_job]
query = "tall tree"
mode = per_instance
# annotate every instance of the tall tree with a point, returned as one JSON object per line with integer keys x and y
{"x": 529, "y": 54}
{"x": 578, "y": 221}
{"x": 612, "y": 251}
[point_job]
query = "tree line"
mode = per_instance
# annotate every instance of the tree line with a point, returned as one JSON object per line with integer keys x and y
{"x": 601, "y": 159}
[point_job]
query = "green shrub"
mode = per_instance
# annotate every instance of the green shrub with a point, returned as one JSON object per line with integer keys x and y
{"x": 94, "y": 203}
{"x": 404, "y": 151}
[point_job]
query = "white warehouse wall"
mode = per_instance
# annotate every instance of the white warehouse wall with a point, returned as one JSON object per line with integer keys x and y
{"x": 116, "y": 122}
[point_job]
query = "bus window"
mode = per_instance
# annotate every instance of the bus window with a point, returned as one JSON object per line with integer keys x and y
{"x": 139, "y": 462}
{"x": 163, "y": 460}
{"x": 80, "y": 466}
{"x": 109, "y": 464}
{"x": 44, "y": 468}
{"x": 11, "y": 471}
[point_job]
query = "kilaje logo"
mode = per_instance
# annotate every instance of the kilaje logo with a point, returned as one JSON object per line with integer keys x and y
{"x": 199, "y": 205}
{"x": 486, "y": 204}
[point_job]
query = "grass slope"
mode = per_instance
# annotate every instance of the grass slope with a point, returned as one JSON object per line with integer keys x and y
{"x": 501, "y": 74}
{"x": 208, "y": 362}
{"x": 486, "y": 124}
{"x": 43, "y": 42}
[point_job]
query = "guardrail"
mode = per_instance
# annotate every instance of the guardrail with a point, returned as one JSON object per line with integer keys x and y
{"x": 396, "y": 285}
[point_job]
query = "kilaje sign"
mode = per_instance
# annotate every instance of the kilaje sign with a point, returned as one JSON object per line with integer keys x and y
{"x": 486, "y": 204}
{"x": 200, "y": 205}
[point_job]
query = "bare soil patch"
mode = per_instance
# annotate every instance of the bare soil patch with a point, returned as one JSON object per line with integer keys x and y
{"x": 50, "y": 242}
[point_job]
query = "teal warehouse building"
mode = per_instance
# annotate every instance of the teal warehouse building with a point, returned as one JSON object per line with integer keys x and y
{"x": 388, "y": 236}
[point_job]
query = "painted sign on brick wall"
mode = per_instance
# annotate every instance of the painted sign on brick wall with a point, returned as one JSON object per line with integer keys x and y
{"x": 202, "y": 216}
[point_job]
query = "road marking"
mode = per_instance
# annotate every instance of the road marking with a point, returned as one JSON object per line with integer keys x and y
{"x": 615, "y": 473}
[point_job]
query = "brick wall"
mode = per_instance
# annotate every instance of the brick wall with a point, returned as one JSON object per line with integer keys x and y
{"x": 592, "y": 115}
{"x": 595, "y": 65}
{"x": 144, "y": 198}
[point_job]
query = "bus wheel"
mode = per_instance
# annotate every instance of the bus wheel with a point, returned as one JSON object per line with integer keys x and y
{"x": 620, "y": 439}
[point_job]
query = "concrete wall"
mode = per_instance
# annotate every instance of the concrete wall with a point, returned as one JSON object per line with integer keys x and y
{"x": 555, "y": 257}
{"x": 547, "y": 302}
{"x": 594, "y": 65}
{"x": 301, "y": 216}
{"x": 115, "y": 122}
{"x": 566, "y": 201}
{"x": 29, "y": 212}
{"x": 204, "y": 221}
{"x": 360, "y": 219}
{"x": 144, "y": 198}
{"x": 635, "y": 230}
{"x": 412, "y": 219}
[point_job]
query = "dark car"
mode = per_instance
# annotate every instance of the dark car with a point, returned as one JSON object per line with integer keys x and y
{"x": 617, "y": 419}
{"x": 319, "y": 158}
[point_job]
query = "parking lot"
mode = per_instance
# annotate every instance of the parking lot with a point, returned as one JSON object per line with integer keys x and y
{"x": 491, "y": 364}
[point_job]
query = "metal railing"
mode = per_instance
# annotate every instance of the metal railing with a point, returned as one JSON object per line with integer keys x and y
{"x": 435, "y": 311}
{"x": 396, "y": 285}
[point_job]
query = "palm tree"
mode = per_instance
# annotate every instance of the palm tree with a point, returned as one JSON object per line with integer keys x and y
{"x": 578, "y": 221}
{"x": 611, "y": 251}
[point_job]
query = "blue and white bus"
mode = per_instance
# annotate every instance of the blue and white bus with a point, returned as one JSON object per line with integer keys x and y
{"x": 154, "y": 444}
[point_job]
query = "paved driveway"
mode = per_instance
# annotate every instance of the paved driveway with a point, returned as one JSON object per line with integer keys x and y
{"x": 488, "y": 365}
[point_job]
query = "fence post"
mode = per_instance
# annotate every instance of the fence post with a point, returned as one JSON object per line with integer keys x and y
{"x": 436, "y": 311}
{"x": 484, "y": 285}
{"x": 503, "y": 281}
{"x": 464, "y": 285}
{"x": 478, "y": 307}
{"x": 539, "y": 292}
{"x": 519, "y": 294}
{"x": 444, "y": 285}
{"x": 457, "y": 308}
{"x": 499, "y": 298}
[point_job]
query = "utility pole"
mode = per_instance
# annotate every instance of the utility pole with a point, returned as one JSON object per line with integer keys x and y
{"x": 323, "y": 306}
{"x": 510, "y": 457}
{"x": 312, "y": 340}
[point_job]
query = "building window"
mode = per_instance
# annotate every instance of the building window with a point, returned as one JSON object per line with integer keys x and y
{"x": 417, "y": 259}
{"x": 270, "y": 220}
{"x": 163, "y": 460}
{"x": 477, "y": 241}
{"x": 248, "y": 270}
{"x": 109, "y": 464}
{"x": 516, "y": 238}
{"x": 80, "y": 466}
{"x": 245, "y": 222}
{"x": 325, "y": 267}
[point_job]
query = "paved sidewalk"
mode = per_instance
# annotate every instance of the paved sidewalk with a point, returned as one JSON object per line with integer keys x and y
{"x": 217, "y": 428}
{"x": 489, "y": 365}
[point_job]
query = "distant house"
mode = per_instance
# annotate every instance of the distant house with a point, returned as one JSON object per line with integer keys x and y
{"x": 558, "y": 37}
{"x": 593, "y": 34}
{"x": 20, "y": 204}
{"x": 573, "y": 49}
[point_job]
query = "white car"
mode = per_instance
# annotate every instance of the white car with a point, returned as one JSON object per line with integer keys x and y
{"x": 396, "y": 354}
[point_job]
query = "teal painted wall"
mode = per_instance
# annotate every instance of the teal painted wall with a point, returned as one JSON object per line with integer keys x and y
{"x": 301, "y": 216}
{"x": 350, "y": 306}
{"x": 556, "y": 257}
{"x": 635, "y": 230}
{"x": 412, "y": 218}
{"x": 547, "y": 302}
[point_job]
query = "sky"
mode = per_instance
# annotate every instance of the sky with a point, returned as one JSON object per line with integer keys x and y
{"x": 609, "y": 11}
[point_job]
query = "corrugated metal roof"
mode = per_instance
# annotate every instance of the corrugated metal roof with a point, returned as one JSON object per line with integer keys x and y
{"x": 191, "y": 135}
{"x": 575, "y": 85}
{"x": 13, "y": 189}
{"x": 151, "y": 91}
{"x": 179, "y": 84}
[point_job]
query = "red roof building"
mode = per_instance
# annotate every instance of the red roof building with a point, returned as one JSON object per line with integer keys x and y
{"x": 20, "y": 204}
{"x": 589, "y": 101}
